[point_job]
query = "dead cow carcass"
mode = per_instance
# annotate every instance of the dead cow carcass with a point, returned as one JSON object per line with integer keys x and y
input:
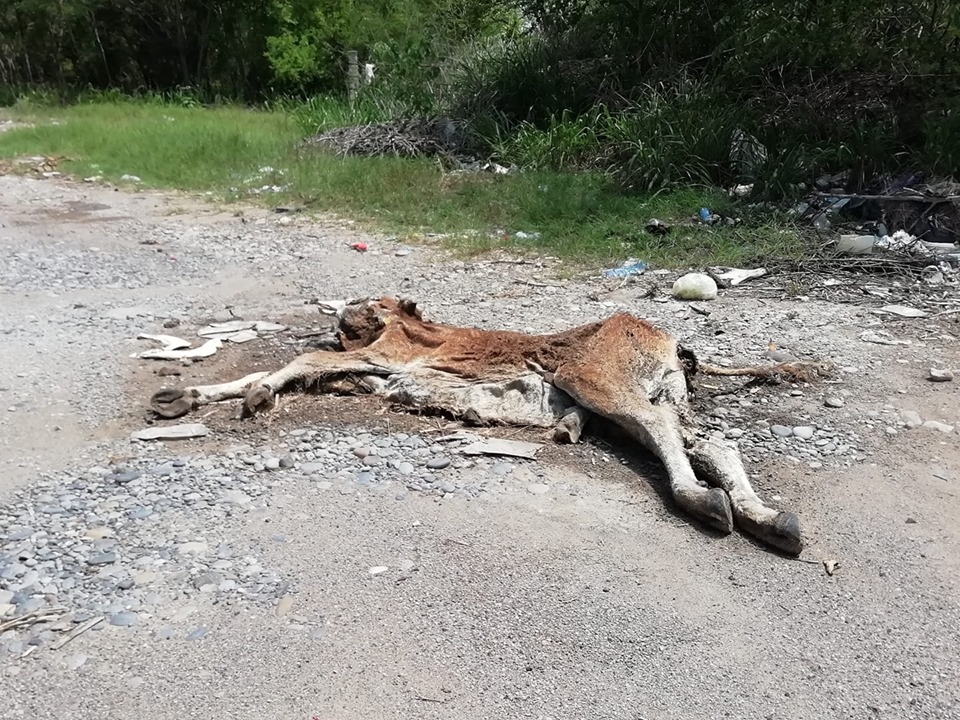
{"x": 622, "y": 369}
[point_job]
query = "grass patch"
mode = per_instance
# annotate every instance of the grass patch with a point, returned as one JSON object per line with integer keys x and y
{"x": 164, "y": 145}
{"x": 233, "y": 152}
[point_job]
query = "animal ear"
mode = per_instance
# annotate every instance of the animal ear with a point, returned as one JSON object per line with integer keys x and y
{"x": 687, "y": 359}
{"x": 410, "y": 308}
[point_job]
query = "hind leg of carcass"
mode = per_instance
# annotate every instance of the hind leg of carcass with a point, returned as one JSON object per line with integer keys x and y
{"x": 656, "y": 427}
{"x": 721, "y": 467}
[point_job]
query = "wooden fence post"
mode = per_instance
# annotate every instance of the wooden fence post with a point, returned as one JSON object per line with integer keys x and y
{"x": 353, "y": 77}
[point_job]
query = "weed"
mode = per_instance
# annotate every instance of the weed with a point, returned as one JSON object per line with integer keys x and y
{"x": 568, "y": 143}
{"x": 322, "y": 113}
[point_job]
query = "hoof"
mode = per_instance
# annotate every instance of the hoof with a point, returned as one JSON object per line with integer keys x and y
{"x": 472, "y": 417}
{"x": 709, "y": 506}
{"x": 565, "y": 435}
{"x": 716, "y": 511}
{"x": 259, "y": 399}
{"x": 571, "y": 426}
{"x": 171, "y": 403}
{"x": 781, "y": 532}
{"x": 567, "y": 432}
{"x": 785, "y": 535}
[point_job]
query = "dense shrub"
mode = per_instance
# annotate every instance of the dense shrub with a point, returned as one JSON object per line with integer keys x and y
{"x": 655, "y": 91}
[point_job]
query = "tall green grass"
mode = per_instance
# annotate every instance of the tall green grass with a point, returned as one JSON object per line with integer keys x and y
{"x": 667, "y": 138}
{"x": 321, "y": 113}
{"x": 233, "y": 153}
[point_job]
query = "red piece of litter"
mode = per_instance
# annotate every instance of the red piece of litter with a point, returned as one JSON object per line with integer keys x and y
{"x": 359, "y": 246}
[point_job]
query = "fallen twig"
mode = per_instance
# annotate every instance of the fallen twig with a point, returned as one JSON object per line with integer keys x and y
{"x": 37, "y": 616}
{"x": 76, "y": 632}
{"x": 513, "y": 262}
{"x": 457, "y": 542}
{"x": 915, "y": 197}
{"x": 430, "y": 699}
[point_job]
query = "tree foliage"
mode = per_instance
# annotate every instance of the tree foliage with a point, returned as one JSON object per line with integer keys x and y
{"x": 249, "y": 48}
{"x": 234, "y": 48}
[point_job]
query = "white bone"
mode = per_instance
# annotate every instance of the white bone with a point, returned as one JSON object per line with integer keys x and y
{"x": 333, "y": 307}
{"x": 205, "y": 350}
{"x": 169, "y": 342}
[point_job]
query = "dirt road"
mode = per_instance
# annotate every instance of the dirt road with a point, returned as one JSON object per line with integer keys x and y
{"x": 274, "y": 570}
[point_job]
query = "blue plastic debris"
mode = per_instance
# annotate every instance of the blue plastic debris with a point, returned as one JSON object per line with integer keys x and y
{"x": 634, "y": 268}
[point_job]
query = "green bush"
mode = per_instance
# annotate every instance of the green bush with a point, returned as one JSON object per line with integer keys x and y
{"x": 653, "y": 92}
{"x": 667, "y": 136}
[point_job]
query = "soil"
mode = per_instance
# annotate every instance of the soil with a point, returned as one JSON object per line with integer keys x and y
{"x": 595, "y": 604}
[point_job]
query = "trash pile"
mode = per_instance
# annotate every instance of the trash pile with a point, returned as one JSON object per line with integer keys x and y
{"x": 691, "y": 286}
{"x": 913, "y": 216}
{"x": 706, "y": 285}
{"x": 708, "y": 217}
{"x": 900, "y": 242}
{"x": 417, "y": 137}
{"x": 631, "y": 267}
{"x": 261, "y": 182}
{"x": 907, "y": 217}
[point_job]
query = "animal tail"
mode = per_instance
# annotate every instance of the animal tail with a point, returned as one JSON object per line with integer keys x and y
{"x": 796, "y": 371}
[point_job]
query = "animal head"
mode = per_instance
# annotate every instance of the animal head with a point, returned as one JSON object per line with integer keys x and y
{"x": 362, "y": 320}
